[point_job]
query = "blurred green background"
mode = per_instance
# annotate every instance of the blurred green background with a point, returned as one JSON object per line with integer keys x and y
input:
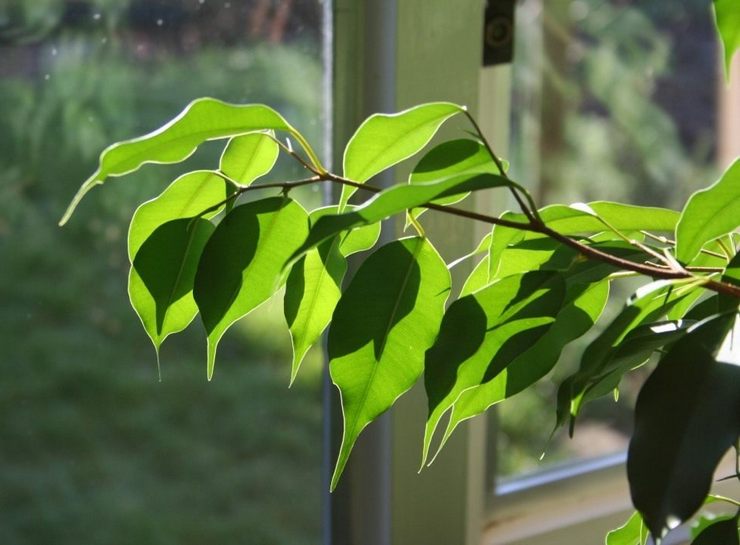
{"x": 93, "y": 449}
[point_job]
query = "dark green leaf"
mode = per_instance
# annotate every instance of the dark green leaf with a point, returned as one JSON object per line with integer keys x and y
{"x": 720, "y": 532}
{"x": 384, "y": 140}
{"x": 248, "y": 157}
{"x": 484, "y": 331}
{"x": 709, "y": 213}
{"x": 687, "y": 416}
{"x": 161, "y": 279}
{"x": 647, "y": 305}
{"x": 581, "y": 308}
{"x": 388, "y": 316}
{"x": 242, "y": 264}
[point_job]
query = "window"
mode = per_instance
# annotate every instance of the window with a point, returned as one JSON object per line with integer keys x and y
{"x": 93, "y": 448}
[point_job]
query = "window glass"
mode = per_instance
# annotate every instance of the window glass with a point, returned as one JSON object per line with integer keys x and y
{"x": 94, "y": 449}
{"x": 612, "y": 100}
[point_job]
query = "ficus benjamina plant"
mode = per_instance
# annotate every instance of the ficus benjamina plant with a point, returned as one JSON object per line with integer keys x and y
{"x": 541, "y": 280}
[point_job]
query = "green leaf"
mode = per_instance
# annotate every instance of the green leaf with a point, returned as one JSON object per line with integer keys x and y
{"x": 709, "y": 213}
{"x": 388, "y": 316}
{"x": 723, "y": 531}
{"x": 589, "y": 218}
{"x": 248, "y": 157}
{"x": 632, "y": 352}
{"x": 581, "y": 307}
{"x": 686, "y": 418}
{"x": 648, "y": 304}
{"x": 384, "y": 140}
{"x": 312, "y": 292}
{"x": 162, "y": 275}
{"x": 355, "y": 240}
{"x": 477, "y": 279}
{"x": 392, "y": 201}
{"x": 242, "y": 264}
{"x": 203, "y": 119}
{"x": 632, "y": 532}
{"x": 727, "y": 21}
{"x": 186, "y": 197}
{"x": 482, "y": 332}
{"x": 449, "y": 160}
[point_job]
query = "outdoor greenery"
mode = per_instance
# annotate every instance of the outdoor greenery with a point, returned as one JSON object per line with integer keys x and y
{"x": 93, "y": 449}
{"x": 542, "y": 282}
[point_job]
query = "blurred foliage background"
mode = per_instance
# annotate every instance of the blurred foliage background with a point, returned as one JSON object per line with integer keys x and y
{"x": 612, "y": 100}
{"x": 92, "y": 448}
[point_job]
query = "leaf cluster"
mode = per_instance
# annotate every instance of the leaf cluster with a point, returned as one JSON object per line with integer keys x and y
{"x": 540, "y": 280}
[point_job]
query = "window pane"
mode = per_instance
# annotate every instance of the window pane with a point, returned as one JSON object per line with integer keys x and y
{"x": 94, "y": 449}
{"x": 613, "y": 100}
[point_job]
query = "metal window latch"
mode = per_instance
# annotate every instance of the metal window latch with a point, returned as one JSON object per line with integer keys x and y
{"x": 498, "y": 32}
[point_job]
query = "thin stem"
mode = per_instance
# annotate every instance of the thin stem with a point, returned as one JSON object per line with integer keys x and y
{"x": 731, "y": 501}
{"x": 529, "y": 211}
{"x": 725, "y": 249}
{"x": 670, "y": 242}
{"x": 534, "y": 226}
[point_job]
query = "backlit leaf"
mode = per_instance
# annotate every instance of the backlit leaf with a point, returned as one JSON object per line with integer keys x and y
{"x": 248, "y": 157}
{"x": 482, "y": 332}
{"x": 388, "y": 316}
{"x": 242, "y": 263}
{"x": 581, "y": 308}
{"x": 186, "y": 197}
{"x": 451, "y": 159}
{"x": 161, "y": 278}
{"x": 355, "y": 240}
{"x": 394, "y": 200}
{"x": 384, "y": 140}
{"x": 311, "y": 294}
{"x": 727, "y": 21}
{"x": 686, "y": 418}
{"x": 647, "y": 305}
{"x": 203, "y": 119}
{"x": 633, "y": 532}
{"x": 709, "y": 213}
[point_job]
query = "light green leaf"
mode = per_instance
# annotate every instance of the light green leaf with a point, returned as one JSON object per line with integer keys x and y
{"x": 311, "y": 295}
{"x": 632, "y": 532}
{"x": 394, "y": 200}
{"x": 727, "y": 21}
{"x": 709, "y": 213}
{"x": 477, "y": 279}
{"x": 248, "y": 157}
{"x": 203, "y": 119}
{"x": 482, "y": 332}
{"x": 687, "y": 416}
{"x": 242, "y": 264}
{"x": 355, "y": 240}
{"x": 384, "y": 140}
{"x": 388, "y": 316}
{"x": 186, "y": 197}
{"x": 587, "y": 218}
{"x": 448, "y": 160}
{"x": 161, "y": 278}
